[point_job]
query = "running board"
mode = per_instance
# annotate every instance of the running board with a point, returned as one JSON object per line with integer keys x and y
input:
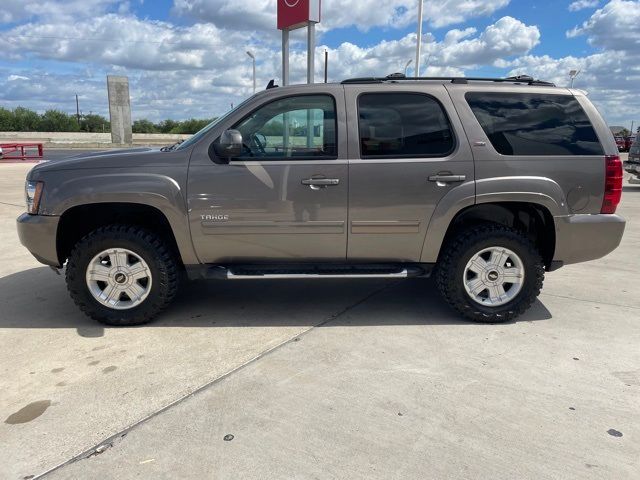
{"x": 309, "y": 271}
{"x": 289, "y": 276}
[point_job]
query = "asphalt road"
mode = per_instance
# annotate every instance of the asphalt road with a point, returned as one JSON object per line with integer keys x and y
{"x": 326, "y": 379}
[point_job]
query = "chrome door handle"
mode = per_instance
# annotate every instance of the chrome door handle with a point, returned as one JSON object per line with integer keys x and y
{"x": 318, "y": 183}
{"x": 447, "y": 178}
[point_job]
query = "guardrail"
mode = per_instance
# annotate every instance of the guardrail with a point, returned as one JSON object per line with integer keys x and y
{"x": 21, "y": 151}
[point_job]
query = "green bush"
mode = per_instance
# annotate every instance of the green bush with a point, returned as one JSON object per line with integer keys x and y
{"x": 144, "y": 126}
{"x": 57, "y": 121}
{"x": 24, "y": 120}
{"x": 95, "y": 123}
{"x": 6, "y": 120}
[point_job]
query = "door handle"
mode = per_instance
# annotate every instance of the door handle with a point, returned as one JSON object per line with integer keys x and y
{"x": 318, "y": 183}
{"x": 447, "y": 178}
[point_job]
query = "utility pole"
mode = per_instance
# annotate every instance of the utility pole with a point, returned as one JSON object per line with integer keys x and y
{"x": 253, "y": 59}
{"x": 419, "y": 40}
{"x": 326, "y": 66}
{"x": 77, "y": 109}
{"x": 406, "y": 67}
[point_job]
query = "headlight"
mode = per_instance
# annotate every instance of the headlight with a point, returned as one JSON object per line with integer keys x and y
{"x": 33, "y": 191}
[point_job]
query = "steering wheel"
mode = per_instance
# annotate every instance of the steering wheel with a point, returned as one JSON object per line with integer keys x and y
{"x": 259, "y": 143}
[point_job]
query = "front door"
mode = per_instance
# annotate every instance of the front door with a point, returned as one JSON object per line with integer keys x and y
{"x": 285, "y": 197}
{"x": 407, "y": 152}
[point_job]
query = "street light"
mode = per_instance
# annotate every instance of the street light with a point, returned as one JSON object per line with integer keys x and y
{"x": 406, "y": 67}
{"x": 253, "y": 59}
{"x": 572, "y": 75}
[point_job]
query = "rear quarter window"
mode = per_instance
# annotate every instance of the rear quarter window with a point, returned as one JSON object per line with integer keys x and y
{"x": 534, "y": 124}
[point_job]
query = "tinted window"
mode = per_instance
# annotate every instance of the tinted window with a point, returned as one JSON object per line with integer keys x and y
{"x": 403, "y": 125}
{"x": 532, "y": 124}
{"x": 292, "y": 128}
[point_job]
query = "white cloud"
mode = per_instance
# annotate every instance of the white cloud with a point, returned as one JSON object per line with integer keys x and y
{"x": 126, "y": 41}
{"x": 616, "y": 26}
{"x": 363, "y": 14}
{"x": 180, "y": 70}
{"x": 582, "y": 4}
{"x": 609, "y": 78}
{"x": 505, "y": 38}
{"x": 18, "y": 10}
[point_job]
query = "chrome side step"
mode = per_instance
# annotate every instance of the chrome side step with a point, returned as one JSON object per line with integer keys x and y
{"x": 289, "y": 276}
{"x": 307, "y": 271}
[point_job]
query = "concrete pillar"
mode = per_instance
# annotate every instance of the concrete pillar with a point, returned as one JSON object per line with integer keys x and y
{"x": 119, "y": 109}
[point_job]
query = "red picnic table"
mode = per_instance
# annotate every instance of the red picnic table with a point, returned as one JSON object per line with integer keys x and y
{"x": 20, "y": 151}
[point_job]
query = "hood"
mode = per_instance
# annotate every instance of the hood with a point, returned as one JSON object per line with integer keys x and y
{"x": 125, "y": 158}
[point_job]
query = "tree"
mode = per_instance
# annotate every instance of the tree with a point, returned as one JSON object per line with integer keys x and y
{"x": 6, "y": 120}
{"x": 191, "y": 126}
{"x": 144, "y": 126}
{"x": 95, "y": 123}
{"x": 25, "y": 120}
{"x": 57, "y": 121}
{"x": 167, "y": 125}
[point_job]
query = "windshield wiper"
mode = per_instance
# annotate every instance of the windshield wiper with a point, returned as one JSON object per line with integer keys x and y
{"x": 172, "y": 147}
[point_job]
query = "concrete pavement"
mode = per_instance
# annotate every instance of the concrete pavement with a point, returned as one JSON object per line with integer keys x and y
{"x": 389, "y": 383}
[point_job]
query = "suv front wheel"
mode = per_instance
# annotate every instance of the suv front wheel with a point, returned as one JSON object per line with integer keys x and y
{"x": 122, "y": 275}
{"x": 490, "y": 273}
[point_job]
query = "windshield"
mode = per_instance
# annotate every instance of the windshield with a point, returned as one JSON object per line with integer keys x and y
{"x": 197, "y": 136}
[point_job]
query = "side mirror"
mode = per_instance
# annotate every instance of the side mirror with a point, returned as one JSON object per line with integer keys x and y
{"x": 229, "y": 145}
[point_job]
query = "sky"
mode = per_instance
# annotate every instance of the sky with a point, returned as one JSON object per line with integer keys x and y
{"x": 187, "y": 58}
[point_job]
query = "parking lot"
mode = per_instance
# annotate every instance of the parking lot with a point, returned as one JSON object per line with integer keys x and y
{"x": 327, "y": 379}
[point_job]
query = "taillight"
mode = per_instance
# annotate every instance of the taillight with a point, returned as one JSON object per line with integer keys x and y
{"x": 612, "y": 184}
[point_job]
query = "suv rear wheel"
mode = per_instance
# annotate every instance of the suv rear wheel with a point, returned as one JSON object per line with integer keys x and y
{"x": 490, "y": 273}
{"x": 122, "y": 275}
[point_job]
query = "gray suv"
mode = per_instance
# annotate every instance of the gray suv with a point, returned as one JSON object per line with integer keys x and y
{"x": 483, "y": 183}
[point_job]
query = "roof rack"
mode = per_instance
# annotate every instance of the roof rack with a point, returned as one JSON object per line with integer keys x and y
{"x": 520, "y": 79}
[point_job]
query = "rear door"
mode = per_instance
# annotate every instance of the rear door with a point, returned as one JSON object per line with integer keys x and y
{"x": 407, "y": 151}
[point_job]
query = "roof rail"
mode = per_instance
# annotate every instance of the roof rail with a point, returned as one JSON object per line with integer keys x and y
{"x": 394, "y": 77}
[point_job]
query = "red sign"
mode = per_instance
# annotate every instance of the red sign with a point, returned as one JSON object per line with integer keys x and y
{"x": 294, "y": 14}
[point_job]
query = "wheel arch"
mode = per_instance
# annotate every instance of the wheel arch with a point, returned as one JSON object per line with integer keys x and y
{"x": 80, "y": 220}
{"x": 533, "y": 219}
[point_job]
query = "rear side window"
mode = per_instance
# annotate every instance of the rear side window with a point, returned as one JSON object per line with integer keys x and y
{"x": 533, "y": 124}
{"x": 403, "y": 125}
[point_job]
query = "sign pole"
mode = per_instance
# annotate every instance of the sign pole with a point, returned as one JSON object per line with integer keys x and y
{"x": 285, "y": 57}
{"x": 311, "y": 53}
{"x": 419, "y": 40}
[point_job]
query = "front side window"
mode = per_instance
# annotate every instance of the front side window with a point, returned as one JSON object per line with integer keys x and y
{"x": 534, "y": 124}
{"x": 301, "y": 128}
{"x": 403, "y": 125}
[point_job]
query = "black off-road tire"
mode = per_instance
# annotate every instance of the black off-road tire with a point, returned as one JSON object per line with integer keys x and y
{"x": 158, "y": 255}
{"x": 457, "y": 253}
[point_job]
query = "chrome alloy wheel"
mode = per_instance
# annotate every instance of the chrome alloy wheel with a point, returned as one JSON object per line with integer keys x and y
{"x": 494, "y": 276}
{"x": 119, "y": 279}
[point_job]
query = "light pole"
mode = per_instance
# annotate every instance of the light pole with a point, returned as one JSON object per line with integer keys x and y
{"x": 419, "y": 40}
{"x": 406, "y": 67}
{"x": 572, "y": 75}
{"x": 253, "y": 59}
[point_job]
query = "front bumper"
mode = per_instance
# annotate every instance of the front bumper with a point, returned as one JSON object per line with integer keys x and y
{"x": 38, "y": 234}
{"x": 581, "y": 238}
